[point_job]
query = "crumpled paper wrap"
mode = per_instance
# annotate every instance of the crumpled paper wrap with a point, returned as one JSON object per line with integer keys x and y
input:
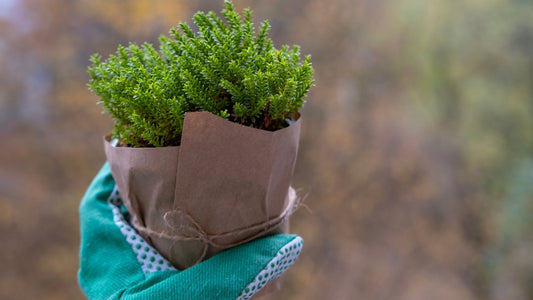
{"x": 224, "y": 185}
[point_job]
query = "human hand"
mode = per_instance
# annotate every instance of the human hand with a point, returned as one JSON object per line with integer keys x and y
{"x": 116, "y": 262}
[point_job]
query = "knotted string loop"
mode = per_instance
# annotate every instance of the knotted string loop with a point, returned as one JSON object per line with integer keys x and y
{"x": 185, "y": 228}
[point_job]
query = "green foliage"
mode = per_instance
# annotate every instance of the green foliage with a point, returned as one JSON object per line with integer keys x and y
{"x": 225, "y": 69}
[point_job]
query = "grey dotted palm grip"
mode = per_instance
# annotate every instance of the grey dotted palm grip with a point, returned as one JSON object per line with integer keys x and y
{"x": 279, "y": 264}
{"x": 149, "y": 259}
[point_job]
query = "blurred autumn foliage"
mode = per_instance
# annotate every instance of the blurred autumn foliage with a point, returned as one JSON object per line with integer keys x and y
{"x": 416, "y": 151}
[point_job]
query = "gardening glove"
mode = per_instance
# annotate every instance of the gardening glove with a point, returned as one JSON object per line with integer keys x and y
{"x": 116, "y": 263}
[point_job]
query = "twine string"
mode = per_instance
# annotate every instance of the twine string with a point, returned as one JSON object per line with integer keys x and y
{"x": 188, "y": 229}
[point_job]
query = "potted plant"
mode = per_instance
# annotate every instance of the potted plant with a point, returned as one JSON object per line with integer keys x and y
{"x": 205, "y": 134}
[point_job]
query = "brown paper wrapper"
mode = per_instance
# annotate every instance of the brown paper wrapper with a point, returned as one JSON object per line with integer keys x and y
{"x": 224, "y": 185}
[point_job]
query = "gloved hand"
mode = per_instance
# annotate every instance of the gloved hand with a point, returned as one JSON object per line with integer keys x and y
{"x": 116, "y": 263}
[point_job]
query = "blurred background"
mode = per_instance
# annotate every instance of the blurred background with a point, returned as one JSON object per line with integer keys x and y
{"x": 416, "y": 151}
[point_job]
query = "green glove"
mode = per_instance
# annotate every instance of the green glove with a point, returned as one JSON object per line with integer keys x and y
{"x": 116, "y": 263}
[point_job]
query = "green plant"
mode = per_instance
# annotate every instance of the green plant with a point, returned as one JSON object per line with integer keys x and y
{"x": 225, "y": 69}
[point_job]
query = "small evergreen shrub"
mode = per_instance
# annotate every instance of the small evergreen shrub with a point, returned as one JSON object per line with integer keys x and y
{"x": 226, "y": 69}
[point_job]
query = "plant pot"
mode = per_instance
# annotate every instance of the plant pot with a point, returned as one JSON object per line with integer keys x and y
{"x": 226, "y": 184}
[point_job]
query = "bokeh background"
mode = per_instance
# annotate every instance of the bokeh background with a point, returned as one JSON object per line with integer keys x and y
{"x": 416, "y": 151}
